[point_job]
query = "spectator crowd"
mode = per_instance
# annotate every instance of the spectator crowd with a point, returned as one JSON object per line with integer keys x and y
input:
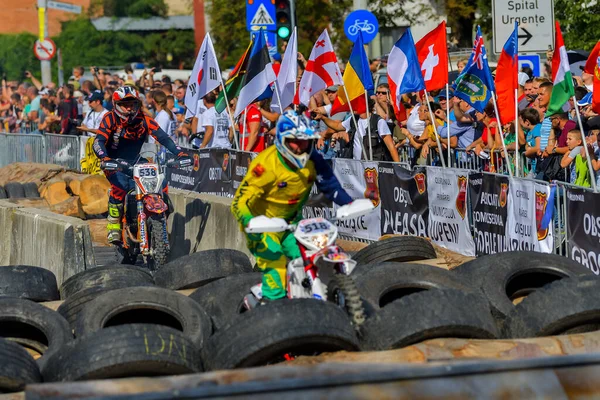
{"x": 551, "y": 146}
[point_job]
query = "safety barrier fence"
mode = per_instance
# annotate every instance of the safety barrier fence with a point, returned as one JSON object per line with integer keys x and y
{"x": 470, "y": 212}
{"x": 63, "y": 150}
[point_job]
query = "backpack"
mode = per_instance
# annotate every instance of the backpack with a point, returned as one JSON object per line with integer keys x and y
{"x": 380, "y": 150}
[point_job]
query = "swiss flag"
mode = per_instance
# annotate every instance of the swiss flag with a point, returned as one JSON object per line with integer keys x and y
{"x": 321, "y": 71}
{"x": 432, "y": 52}
{"x": 592, "y": 66}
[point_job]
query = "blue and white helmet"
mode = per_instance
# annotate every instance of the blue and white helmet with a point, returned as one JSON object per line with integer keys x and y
{"x": 290, "y": 127}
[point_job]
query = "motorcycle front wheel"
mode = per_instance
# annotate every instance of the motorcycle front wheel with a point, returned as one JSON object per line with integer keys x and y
{"x": 157, "y": 228}
{"x": 342, "y": 291}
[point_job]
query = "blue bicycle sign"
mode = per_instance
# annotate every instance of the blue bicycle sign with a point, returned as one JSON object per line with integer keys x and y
{"x": 361, "y": 21}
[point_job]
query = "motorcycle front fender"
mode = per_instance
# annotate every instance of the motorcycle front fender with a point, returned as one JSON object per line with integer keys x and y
{"x": 154, "y": 204}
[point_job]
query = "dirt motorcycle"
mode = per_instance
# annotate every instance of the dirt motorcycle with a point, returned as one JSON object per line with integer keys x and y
{"x": 316, "y": 239}
{"x": 145, "y": 211}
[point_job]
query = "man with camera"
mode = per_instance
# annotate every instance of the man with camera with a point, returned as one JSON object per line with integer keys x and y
{"x": 92, "y": 120}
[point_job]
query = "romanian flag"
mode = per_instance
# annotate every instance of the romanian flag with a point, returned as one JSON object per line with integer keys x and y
{"x": 234, "y": 82}
{"x": 357, "y": 80}
{"x": 592, "y": 66}
{"x": 506, "y": 79}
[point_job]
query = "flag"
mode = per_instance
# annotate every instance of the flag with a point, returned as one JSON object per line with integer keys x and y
{"x": 357, "y": 81}
{"x": 475, "y": 84}
{"x": 432, "y": 51}
{"x": 404, "y": 72}
{"x": 259, "y": 74}
{"x": 592, "y": 66}
{"x": 321, "y": 71}
{"x": 506, "y": 78}
{"x": 206, "y": 76}
{"x": 234, "y": 82}
{"x": 562, "y": 79}
{"x": 288, "y": 73}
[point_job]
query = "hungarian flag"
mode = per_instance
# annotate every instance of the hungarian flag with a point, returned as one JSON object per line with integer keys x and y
{"x": 592, "y": 66}
{"x": 563, "y": 88}
{"x": 321, "y": 71}
{"x": 206, "y": 76}
{"x": 432, "y": 51}
{"x": 234, "y": 82}
{"x": 357, "y": 80}
{"x": 506, "y": 78}
{"x": 259, "y": 74}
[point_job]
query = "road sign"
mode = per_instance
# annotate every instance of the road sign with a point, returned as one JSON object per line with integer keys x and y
{"x": 532, "y": 61}
{"x": 260, "y": 13}
{"x": 361, "y": 20}
{"x": 535, "y": 19}
{"x": 44, "y": 50}
{"x": 66, "y": 7}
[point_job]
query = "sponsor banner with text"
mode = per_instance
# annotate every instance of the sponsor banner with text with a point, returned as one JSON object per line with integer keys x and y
{"x": 404, "y": 201}
{"x": 360, "y": 180}
{"x": 448, "y": 219}
{"x": 240, "y": 161}
{"x": 210, "y": 173}
{"x": 545, "y": 236}
{"x": 489, "y": 196}
{"x": 584, "y": 228}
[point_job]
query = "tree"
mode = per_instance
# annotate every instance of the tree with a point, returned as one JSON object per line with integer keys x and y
{"x": 579, "y": 21}
{"x": 135, "y": 8}
{"x": 16, "y": 56}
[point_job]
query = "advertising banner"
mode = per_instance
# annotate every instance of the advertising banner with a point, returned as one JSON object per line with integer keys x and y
{"x": 209, "y": 173}
{"x": 584, "y": 228}
{"x": 448, "y": 219}
{"x": 489, "y": 196}
{"x": 404, "y": 201}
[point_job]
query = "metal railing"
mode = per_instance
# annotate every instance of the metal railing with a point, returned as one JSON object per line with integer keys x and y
{"x": 65, "y": 150}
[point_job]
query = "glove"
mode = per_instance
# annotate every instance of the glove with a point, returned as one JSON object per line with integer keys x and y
{"x": 182, "y": 154}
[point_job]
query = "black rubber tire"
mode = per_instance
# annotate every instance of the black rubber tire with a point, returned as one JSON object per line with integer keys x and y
{"x": 428, "y": 315}
{"x": 125, "y": 351}
{"x": 108, "y": 277}
{"x": 31, "y": 190}
{"x": 563, "y": 307}
{"x": 145, "y": 305}
{"x": 3, "y": 194}
{"x": 223, "y": 299}
{"x": 384, "y": 283}
{"x": 17, "y": 368}
{"x": 396, "y": 248}
{"x": 71, "y": 307}
{"x": 263, "y": 335}
{"x": 33, "y": 326}
{"x": 342, "y": 292}
{"x": 159, "y": 246}
{"x": 504, "y": 277}
{"x": 28, "y": 282}
{"x": 14, "y": 190}
{"x": 197, "y": 269}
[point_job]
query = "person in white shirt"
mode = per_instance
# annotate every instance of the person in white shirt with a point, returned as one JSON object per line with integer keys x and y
{"x": 198, "y": 125}
{"x": 383, "y": 148}
{"x": 217, "y": 132}
{"x": 414, "y": 124}
{"x": 92, "y": 120}
{"x": 165, "y": 119}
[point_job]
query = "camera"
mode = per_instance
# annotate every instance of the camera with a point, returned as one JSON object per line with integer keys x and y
{"x": 313, "y": 114}
{"x": 96, "y": 69}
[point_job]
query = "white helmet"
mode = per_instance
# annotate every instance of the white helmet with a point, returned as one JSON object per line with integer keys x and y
{"x": 126, "y": 94}
{"x": 297, "y": 131}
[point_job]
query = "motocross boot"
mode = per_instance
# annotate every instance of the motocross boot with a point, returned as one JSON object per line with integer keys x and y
{"x": 115, "y": 212}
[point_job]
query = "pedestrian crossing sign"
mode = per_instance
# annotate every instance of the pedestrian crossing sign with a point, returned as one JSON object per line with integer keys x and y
{"x": 261, "y": 14}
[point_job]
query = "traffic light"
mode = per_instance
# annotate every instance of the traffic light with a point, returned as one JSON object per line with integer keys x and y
{"x": 283, "y": 14}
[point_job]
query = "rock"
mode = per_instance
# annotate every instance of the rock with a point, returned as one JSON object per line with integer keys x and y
{"x": 71, "y": 207}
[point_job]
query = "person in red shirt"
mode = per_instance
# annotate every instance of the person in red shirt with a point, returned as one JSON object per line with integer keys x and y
{"x": 252, "y": 138}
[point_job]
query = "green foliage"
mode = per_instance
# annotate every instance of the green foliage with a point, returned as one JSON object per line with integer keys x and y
{"x": 16, "y": 55}
{"x": 579, "y": 22}
{"x": 135, "y": 8}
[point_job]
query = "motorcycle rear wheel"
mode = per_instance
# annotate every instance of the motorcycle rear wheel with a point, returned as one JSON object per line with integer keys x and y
{"x": 342, "y": 291}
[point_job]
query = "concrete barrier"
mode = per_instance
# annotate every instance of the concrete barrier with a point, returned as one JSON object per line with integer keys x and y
{"x": 202, "y": 222}
{"x": 41, "y": 238}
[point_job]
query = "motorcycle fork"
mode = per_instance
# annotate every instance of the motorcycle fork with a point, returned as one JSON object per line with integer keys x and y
{"x": 309, "y": 267}
{"x": 142, "y": 226}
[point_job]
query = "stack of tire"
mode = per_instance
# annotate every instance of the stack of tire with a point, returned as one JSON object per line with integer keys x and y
{"x": 120, "y": 321}
{"x": 16, "y": 190}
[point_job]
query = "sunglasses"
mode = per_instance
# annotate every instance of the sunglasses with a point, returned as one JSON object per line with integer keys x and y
{"x": 383, "y": 93}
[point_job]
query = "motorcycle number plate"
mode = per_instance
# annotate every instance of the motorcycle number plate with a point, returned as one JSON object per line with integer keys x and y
{"x": 314, "y": 226}
{"x": 149, "y": 172}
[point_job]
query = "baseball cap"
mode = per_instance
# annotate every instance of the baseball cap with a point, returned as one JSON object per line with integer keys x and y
{"x": 585, "y": 101}
{"x": 332, "y": 88}
{"x": 277, "y": 57}
{"x": 523, "y": 77}
{"x": 443, "y": 94}
{"x": 95, "y": 95}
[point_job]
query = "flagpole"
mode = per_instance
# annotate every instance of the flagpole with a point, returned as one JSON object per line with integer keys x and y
{"x": 244, "y": 130}
{"x": 368, "y": 125}
{"x": 278, "y": 98}
{"x": 235, "y": 135}
{"x": 437, "y": 138}
{"x": 448, "y": 125}
{"x": 354, "y": 120}
{"x": 585, "y": 146}
{"x": 499, "y": 130}
{"x": 517, "y": 132}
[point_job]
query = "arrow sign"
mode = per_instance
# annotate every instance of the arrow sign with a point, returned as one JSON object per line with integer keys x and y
{"x": 527, "y": 36}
